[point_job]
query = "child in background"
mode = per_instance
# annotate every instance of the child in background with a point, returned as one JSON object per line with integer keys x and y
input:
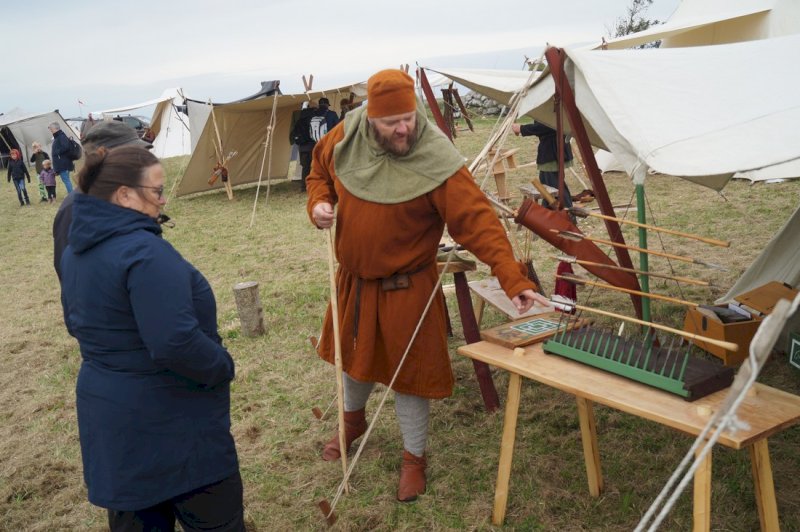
{"x": 38, "y": 157}
{"x": 18, "y": 171}
{"x": 48, "y": 178}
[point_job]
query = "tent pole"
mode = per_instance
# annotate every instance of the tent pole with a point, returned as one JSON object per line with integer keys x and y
{"x": 555, "y": 61}
{"x": 644, "y": 280}
{"x": 434, "y": 107}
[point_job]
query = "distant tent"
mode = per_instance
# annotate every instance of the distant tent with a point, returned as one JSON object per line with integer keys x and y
{"x": 243, "y": 128}
{"x": 19, "y": 130}
{"x": 199, "y": 111}
{"x": 169, "y": 125}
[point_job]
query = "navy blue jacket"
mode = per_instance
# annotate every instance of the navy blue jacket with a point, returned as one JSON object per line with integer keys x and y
{"x": 17, "y": 170}
{"x": 61, "y": 160}
{"x": 153, "y": 396}
{"x": 548, "y": 142}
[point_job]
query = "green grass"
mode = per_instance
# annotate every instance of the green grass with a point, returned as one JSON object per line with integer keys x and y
{"x": 279, "y": 379}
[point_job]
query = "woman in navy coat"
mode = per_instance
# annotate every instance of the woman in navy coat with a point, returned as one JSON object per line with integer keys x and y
{"x": 153, "y": 396}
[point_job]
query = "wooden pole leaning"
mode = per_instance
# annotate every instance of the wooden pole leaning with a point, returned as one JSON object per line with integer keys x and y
{"x": 573, "y": 260}
{"x": 578, "y": 236}
{"x": 583, "y": 213}
{"x": 580, "y": 280}
{"x": 720, "y": 343}
{"x": 337, "y": 341}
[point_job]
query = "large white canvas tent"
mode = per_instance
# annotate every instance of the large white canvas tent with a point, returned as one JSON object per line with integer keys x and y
{"x": 27, "y": 128}
{"x": 243, "y": 128}
{"x": 706, "y": 22}
{"x": 168, "y": 124}
{"x": 687, "y": 112}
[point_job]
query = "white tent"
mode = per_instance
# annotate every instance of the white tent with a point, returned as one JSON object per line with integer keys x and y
{"x": 243, "y": 127}
{"x": 706, "y": 22}
{"x": 687, "y": 112}
{"x": 169, "y": 126}
{"x": 30, "y": 127}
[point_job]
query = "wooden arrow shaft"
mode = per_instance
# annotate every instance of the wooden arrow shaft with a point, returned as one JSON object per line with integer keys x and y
{"x": 730, "y": 346}
{"x": 636, "y": 248}
{"x": 633, "y": 270}
{"x": 707, "y": 240}
{"x": 578, "y": 280}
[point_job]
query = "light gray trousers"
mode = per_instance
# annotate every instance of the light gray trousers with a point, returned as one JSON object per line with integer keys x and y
{"x": 412, "y": 412}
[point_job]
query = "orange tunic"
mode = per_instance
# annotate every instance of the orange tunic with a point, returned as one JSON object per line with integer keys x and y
{"x": 377, "y": 240}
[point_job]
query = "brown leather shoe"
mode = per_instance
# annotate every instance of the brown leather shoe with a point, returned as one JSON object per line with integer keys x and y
{"x": 355, "y": 424}
{"x": 412, "y": 477}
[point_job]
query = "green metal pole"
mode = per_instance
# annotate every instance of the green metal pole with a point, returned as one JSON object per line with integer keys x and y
{"x": 644, "y": 280}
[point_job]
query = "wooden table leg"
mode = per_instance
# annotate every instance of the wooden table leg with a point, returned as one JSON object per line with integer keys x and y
{"x": 591, "y": 451}
{"x": 702, "y": 495}
{"x": 507, "y": 448}
{"x": 764, "y": 485}
{"x": 472, "y": 334}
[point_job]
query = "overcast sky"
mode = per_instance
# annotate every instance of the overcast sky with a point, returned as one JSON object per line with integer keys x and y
{"x": 113, "y": 53}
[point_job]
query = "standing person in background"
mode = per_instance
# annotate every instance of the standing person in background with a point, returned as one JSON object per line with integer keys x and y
{"x": 547, "y": 156}
{"x": 62, "y": 164}
{"x": 330, "y": 117}
{"x": 47, "y": 177}
{"x": 37, "y": 158}
{"x": 109, "y": 135}
{"x": 153, "y": 390}
{"x": 18, "y": 171}
{"x": 397, "y": 180}
{"x": 302, "y": 137}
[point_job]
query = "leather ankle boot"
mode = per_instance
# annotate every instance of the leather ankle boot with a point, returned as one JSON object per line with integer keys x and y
{"x": 355, "y": 424}
{"x": 412, "y": 477}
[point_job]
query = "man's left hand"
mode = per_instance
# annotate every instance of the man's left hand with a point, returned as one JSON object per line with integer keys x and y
{"x": 527, "y": 298}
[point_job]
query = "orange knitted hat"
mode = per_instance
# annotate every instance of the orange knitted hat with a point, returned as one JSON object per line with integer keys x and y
{"x": 390, "y": 92}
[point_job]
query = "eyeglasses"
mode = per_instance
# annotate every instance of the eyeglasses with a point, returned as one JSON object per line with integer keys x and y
{"x": 158, "y": 190}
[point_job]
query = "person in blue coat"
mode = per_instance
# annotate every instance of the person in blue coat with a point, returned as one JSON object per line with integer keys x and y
{"x": 62, "y": 164}
{"x": 153, "y": 396}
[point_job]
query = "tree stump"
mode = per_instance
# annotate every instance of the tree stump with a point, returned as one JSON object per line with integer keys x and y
{"x": 248, "y": 304}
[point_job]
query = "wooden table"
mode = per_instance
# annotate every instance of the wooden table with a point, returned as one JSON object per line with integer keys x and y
{"x": 766, "y": 409}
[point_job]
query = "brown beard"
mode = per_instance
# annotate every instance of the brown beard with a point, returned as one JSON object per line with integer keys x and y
{"x": 391, "y": 147}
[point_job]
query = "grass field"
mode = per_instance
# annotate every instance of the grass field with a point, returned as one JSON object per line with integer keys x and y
{"x": 279, "y": 379}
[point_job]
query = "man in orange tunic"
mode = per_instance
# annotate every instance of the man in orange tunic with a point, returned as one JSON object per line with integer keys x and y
{"x": 397, "y": 180}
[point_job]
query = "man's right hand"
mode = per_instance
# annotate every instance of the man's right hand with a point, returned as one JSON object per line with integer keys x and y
{"x": 322, "y": 213}
{"x": 515, "y": 128}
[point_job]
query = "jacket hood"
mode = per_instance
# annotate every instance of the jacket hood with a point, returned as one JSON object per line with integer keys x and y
{"x": 95, "y": 220}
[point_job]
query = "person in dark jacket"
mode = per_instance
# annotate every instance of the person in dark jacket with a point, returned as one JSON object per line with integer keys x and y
{"x": 18, "y": 172}
{"x": 62, "y": 164}
{"x": 547, "y": 155}
{"x": 109, "y": 135}
{"x": 38, "y": 157}
{"x": 305, "y": 144}
{"x": 153, "y": 390}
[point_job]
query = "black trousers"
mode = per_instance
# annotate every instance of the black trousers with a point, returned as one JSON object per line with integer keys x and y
{"x": 304, "y": 158}
{"x": 215, "y": 507}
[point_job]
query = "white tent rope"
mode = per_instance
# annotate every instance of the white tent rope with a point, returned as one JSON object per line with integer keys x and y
{"x": 267, "y": 145}
{"x": 725, "y": 418}
{"x": 364, "y": 439}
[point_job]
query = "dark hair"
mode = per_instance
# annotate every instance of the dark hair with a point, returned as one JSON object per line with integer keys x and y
{"x": 104, "y": 171}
